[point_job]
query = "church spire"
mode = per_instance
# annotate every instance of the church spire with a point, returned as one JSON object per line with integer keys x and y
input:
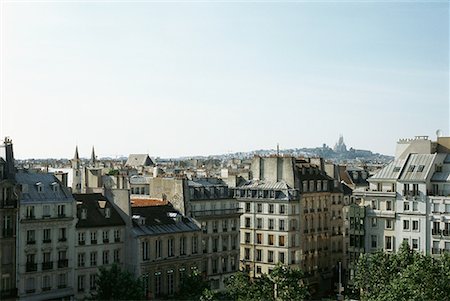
{"x": 93, "y": 158}
{"x": 76, "y": 157}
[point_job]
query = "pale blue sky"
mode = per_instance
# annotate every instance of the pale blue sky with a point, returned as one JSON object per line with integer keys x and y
{"x": 197, "y": 78}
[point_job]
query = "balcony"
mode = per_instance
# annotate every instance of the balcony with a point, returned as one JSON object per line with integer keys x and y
{"x": 30, "y": 217}
{"x": 105, "y": 241}
{"x": 47, "y": 265}
{"x": 206, "y": 213}
{"x": 46, "y": 288}
{"x": 62, "y": 239}
{"x": 63, "y": 263}
{"x": 30, "y": 291}
{"x": 81, "y": 242}
{"x": 31, "y": 267}
{"x": 61, "y": 215}
{"x": 31, "y": 242}
{"x": 93, "y": 242}
{"x": 6, "y": 204}
{"x": 61, "y": 286}
{"x": 117, "y": 239}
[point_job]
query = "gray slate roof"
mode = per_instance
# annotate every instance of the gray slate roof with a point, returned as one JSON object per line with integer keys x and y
{"x": 135, "y": 160}
{"x": 417, "y": 167}
{"x": 30, "y": 193}
{"x": 391, "y": 171}
{"x": 265, "y": 185}
{"x": 161, "y": 220}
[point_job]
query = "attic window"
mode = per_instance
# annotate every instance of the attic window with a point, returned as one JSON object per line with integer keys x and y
{"x": 108, "y": 212}
{"x": 396, "y": 169}
{"x": 39, "y": 187}
{"x": 411, "y": 168}
{"x": 83, "y": 213}
{"x": 55, "y": 186}
{"x": 420, "y": 168}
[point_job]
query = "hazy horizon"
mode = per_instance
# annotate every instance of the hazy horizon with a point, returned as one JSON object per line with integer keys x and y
{"x": 185, "y": 78}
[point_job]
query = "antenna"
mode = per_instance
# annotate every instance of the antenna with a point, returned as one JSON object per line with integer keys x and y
{"x": 439, "y": 133}
{"x": 278, "y": 149}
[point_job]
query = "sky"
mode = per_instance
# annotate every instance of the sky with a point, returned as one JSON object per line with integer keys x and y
{"x": 186, "y": 78}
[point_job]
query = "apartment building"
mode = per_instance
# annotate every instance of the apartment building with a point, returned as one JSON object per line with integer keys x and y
{"x": 8, "y": 224}
{"x": 166, "y": 247}
{"x": 406, "y": 200}
{"x": 100, "y": 233}
{"x": 212, "y": 205}
{"x": 287, "y": 218}
{"x": 45, "y": 236}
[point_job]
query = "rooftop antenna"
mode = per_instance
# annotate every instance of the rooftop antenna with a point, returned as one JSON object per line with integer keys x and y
{"x": 278, "y": 149}
{"x": 439, "y": 133}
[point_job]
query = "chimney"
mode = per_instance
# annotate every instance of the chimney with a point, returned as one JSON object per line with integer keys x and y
{"x": 10, "y": 170}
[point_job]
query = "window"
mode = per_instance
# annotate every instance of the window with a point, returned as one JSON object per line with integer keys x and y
{"x": 93, "y": 259}
{"x": 270, "y": 256}
{"x": 247, "y": 222}
{"x": 117, "y": 235}
{"x": 388, "y": 205}
{"x": 247, "y": 253}
{"x": 81, "y": 238}
{"x": 30, "y": 213}
{"x": 92, "y": 281}
{"x": 405, "y": 206}
{"x": 62, "y": 234}
{"x": 281, "y": 224}
{"x": 373, "y": 239}
{"x": 435, "y": 207}
{"x": 374, "y": 204}
{"x": 215, "y": 226}
{"x": 259, "y": 238}
{"x": 389, "y": 224}
{"x": 183, "y": 245}
{"x": 259, "y": 208}
{"x": 170, "y": 247}
{"x": 170, "y": 283}
{"x": 282, "y": 209}
{"x": 247, "y": 207}
{"x": 81, "y": 280}
{"x": 247, "y": 237}
{"x": 117, "y": 255}
{"x": 388, "y": 242}
{"x": 374, "y": 222}
{"x": 93, "y": 238}
{"x": 106, "y": 257}
{"x": 281, "y": 240}
{"x": 415, "y": 206}
{"x": 62, "y": 280}
{"x": 415, "y": 225}
{"x": 81, "y": 259}
{"x": 158, "y": 284}
{"x": 145, "y": 251}
{"x": 46, "y": 283}
{"x": 83, "y": 213}
{"x": 270, "y": 239}
{"x": 259, "y": 223}
{"x": 105, "y": 236}
{"x": 447, "y": 208}
{"x": 405, "y": 224}
{"x": 281, "y": 257}
{"x": 415, "y": 243}
{"x": 224, "y": 225}
{"x": 271, "y": 208}
{"x": 46, "y": 236}
{"x": 31, "y": 237}
{"x": 30, "y": 288}
{"x": 270, "y": 224}
{"x": 107, "y": 212}
{"x": 194, "y": 245}
{"x": 158, "y": 248}
{"x": 258, "y": 255}
{"x": 61, "y": 211}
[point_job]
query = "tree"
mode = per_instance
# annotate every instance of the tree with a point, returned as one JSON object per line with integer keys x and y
{"x": 115, "y": 284}
{"x": 193, "y": 286}
{"x": 405, "y": 275}
{"x": 286, "y": 282}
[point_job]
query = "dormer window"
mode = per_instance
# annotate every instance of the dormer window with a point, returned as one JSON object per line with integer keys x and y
{"x": 83, "y": 213}
{"x": 39, "y": 187}
{"x": 107, "y": 212}
{"x": 55, "y": 187}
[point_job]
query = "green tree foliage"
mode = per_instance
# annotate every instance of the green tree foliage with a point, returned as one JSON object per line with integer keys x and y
{"x": 405, "y": 275}
{"x": 193, "y": 286}
{"x": 282, "y": 283}
{"x": 115, "y": 284}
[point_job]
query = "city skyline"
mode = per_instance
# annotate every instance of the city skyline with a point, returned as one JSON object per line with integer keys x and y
{"x": 194, "y": 78}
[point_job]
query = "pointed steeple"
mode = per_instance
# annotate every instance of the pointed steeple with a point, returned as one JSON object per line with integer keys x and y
{"x": 93, "y": 159}
{"x": 76, "y": 157}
